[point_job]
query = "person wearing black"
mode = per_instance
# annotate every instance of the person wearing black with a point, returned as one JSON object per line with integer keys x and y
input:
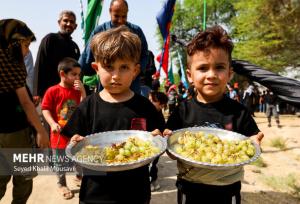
{"x": 209, "y": 59}
{"x": 53, "y": 48}
{"x": 116, "y": 107}
{"x": 19, "y": 118}
{"x": 271, "y": 102}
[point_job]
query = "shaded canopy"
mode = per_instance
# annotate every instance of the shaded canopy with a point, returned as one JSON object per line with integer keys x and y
{"x": 285, "y": 88}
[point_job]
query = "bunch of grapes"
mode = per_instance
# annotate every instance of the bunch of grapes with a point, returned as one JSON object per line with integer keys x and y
{"x": 211, "y": 149}
{"x": 132, "y": 149}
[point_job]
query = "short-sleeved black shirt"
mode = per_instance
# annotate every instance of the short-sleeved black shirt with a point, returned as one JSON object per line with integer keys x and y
{"x": 96, "y": 115}
{"x": 225, "y": 114}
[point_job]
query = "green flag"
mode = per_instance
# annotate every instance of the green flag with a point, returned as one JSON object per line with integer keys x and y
{"x": 170, "y": 73}
{"x": 94, "y": 9}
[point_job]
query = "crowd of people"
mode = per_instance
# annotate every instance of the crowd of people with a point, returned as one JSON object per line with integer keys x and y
{"x": 127, "y": 93}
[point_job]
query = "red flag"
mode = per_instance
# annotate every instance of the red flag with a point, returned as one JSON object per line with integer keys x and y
{"x": 164, "y": 18}
{"x": 165, "y": 60}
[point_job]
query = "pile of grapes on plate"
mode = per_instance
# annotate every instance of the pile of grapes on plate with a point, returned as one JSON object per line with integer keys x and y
{"x": 133, "y": 149}
{"x": 209, "y": 148}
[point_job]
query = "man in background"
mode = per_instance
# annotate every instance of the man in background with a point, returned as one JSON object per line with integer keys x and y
{"x": 118, "y": 11}
{"x": 53, "y": 48}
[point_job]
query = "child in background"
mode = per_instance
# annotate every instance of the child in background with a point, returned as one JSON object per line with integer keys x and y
{"x": 58, "y": 105}
{"x": 159, "y": 100}
{"x": 116, "y": 107}
{"x": 172, "y": 98}
{"x": 209, "y": 69}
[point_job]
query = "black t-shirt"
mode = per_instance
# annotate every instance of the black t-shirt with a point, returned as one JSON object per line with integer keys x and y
{"x": 95, "y": 115}
{"x": 13, "y": 117}
{"x": 225, "y": 114}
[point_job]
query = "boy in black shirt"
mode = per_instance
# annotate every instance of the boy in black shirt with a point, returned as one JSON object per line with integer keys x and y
{"x": 116, "y": 107}
{"x": 209, "y": 70}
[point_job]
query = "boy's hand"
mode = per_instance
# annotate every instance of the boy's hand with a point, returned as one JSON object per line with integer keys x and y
{"x": 55, "y": 128}
{"x": 156, "y": 132}
{"x": 78, "y": 85}
{"x": 76, "y": 138}
{"x": 258, "y": 138}
{"x": 167, "y": 133}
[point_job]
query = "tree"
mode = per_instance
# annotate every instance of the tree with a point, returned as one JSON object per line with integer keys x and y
{"x": 188, "y": 19}
{"x": 265, "y": 32}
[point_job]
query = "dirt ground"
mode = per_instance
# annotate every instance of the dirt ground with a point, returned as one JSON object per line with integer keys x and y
{"x": 280, "y": 163}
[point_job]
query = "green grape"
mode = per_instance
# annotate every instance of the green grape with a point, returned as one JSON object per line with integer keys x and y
{"x": 196, "y": 157}
{"x": 121, "y": 151}
{"x": 198, "y": 144}
{"x": 127, "y": 153}
{"x": 119, "y": 157}
{"x": 209, "y": 142}
{"x": 250, "y": 151}
{"x": 178, "y": 148}
{"x": 141, "y": 149}
{"x": 128, "y": 145}
{"x": 244, "y": 157}
{"x": 210, "y": 155}
{"x": 204, "y": 158}
{"x": 134, "y": 149}
{"x": 230, "y": 160}
{"x": 216, "y": 139}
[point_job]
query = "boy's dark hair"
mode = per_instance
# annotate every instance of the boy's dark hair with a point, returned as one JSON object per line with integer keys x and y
{"x": 67, "y": 64}
{"x": 213, "y": 37}
{"x": 159, "y": 97}
{"x": 116, "y": 43}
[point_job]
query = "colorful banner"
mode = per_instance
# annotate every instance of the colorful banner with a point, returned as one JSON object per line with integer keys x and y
{"x": 94, "y": 9}
{"x": 183, "y": 73}
{"x": 170, "y": 73}
{"x": 164, "y": 18}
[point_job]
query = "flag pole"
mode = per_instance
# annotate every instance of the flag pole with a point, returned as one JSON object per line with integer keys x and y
{"x": 204, "y": 15}
{"x": 82, "y": 19}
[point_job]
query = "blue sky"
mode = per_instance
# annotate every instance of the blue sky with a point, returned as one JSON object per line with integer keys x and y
{"x": 41, "y": 16}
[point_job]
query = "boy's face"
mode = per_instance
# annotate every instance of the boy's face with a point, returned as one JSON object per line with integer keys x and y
{"x": 209, "y": 72}
{"x": 117, "y": 77}
{"x": 69, "y": 78}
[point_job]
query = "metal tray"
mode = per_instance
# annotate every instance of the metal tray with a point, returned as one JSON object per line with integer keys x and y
{"x": 104, "y": 139}
{"x": 222, "y": 134}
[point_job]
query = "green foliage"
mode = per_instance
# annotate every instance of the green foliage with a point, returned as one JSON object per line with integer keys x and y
{"x": 265, "y": 32}
{"x": 279, "y": 143}
{"x": 259, "y": 162}
{"x": 288, "y": 183}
